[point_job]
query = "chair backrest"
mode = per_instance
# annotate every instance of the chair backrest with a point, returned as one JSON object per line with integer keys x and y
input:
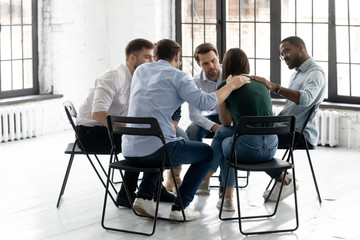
{"x": 70, "y": 113}
{"x": 145, "y": 126}
{"x": 265, "y": 125}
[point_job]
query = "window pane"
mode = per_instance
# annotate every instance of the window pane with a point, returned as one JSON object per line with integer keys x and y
{"x": 247, "y": 39}
{"x": 16, "y": 11}
{"x": 27, "y": 14}
{"x": 232, "y": 35}
{"x": 304, "y": 31}
{"x": 288, "y": 11}
{"x": 263, "y": 40}
{"x": 198, "y": 11}
{"x": 28, "y": 74}
{"x": 210, "y": 11}
{"x": 199, "y": 36}
{"x": 187, "y": 65}
{"x": 341, "y": 12}
{"x": 5, "y": 76}
{"x": 27, "y": 43}
{"x": 247, "y": 10}
{"x": 321, "y": 10}
{"x": 354, "y": 6}
{"x": 263, "y": 10}
{"x": 252, "y": 65}
{"x": 186, "y": 11}
{"x": 16, "y": 42}
{"x": 286, "y": 74}
{"x": 210, "y": 34}
{"x": 186, "y": 45}
{"x": 321, "y": 42}
{"x": 232, "y": 10}
{"x": 5, "y": 12}
{"x": 17, "y": 75}
{"x": 303, "y": 10}
{"x": 5, "y": 41}
{"x": 342, "y": 44}
{"x": 262, "y": 68}
{"x": 354, "y": 44}
{"x": 343, "y": 82}
{"x": 287, "y": 30}
{"x": 355, "y": 83}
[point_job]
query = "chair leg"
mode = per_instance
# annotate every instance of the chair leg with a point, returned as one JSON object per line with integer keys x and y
{"x": 178, "y": 194}
{"x": 65, "y": 179}
{"x": 313, "y": 175}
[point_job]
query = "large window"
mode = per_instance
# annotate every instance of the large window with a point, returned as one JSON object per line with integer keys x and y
{"x": 330, "y": 29}
{"x": 18, "y": 48}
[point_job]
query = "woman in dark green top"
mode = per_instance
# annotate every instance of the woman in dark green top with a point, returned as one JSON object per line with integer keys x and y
{"x": 252, "y": 99}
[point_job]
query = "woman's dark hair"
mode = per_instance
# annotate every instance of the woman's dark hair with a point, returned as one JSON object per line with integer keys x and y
{"x": 235, "y": 62}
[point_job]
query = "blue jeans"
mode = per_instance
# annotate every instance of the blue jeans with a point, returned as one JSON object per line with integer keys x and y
{"x": 255, "y": 148}
{"x": 197, "y": 133}
{"x": 180, "y": 152}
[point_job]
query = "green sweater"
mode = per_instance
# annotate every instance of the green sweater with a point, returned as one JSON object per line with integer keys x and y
{"x": 252, "y": 99}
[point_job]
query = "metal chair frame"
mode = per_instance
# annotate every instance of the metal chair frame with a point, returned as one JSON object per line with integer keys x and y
{"x": 74, "y": 149}
{"x": 246, "y": 126}
{"x": 138, "y": 126}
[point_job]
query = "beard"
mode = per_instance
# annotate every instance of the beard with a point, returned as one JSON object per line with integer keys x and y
{"x": 296, "y": 62}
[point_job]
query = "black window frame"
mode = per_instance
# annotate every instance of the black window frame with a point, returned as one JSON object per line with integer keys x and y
{"x": 35, "y": 87}
{"x": 275, "y": 38}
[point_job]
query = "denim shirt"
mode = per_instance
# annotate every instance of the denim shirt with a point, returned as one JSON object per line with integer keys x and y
{"x": 157, "y": 90}
{"x": 309, "y": 80}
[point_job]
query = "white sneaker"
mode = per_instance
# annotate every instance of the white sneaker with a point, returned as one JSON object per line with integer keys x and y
{"x": 287, "y": 190}
{"x": 190, "y": 215}
{"x": 145, "y": 207}
{"x": 204, "y": 188}
{"x": 228, "y": 205}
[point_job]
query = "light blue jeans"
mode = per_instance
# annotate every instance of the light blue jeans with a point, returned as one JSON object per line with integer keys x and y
{"x": 249, "y": 148}
{"x": 197, "y": 133}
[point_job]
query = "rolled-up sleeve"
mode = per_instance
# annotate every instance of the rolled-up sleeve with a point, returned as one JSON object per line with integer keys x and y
{"x": 314, "y": 84}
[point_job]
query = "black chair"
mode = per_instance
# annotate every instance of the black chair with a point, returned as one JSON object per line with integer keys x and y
{"x": 140, "y": 126}
{"x": 74, "y": 149}
{"x": 246, "y": 125}
{"x": 305, "y": 146}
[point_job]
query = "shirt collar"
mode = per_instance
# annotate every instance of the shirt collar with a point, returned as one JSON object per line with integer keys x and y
{"x": 303, "y": 67}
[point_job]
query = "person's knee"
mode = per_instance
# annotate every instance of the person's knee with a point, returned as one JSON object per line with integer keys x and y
{"x": 193, "y": 132}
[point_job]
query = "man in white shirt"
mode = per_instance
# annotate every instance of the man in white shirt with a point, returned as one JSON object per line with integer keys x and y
{"x": 110, "y": 95}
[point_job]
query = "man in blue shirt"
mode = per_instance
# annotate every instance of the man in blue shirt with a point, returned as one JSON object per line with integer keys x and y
{"x": 157, "y": 90}
{"x": 306, "y": 89}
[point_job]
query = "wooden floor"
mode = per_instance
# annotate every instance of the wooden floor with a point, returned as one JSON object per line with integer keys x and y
{"x": 32, "y": 171}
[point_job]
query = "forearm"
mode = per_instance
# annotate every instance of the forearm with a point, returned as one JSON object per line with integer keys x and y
{"x": 101, "y": 117}
{"x": 292, "y": 95}
{"x": 224, "y": 115}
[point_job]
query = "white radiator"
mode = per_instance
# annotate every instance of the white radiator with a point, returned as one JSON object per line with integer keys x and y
{"x": 18, "y": 122}
{"x": 329, "y": 127}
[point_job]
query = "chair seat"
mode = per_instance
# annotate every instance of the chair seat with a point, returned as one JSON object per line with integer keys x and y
{"x": 78, "y": 150}
{"x": 273, "y": 164}
{"x": 127, "y": 166}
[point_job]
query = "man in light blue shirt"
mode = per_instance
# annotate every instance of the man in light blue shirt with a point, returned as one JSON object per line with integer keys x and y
{"x": 157, "y": 90}
{"x": 306, "y": 89}
{"x": 204, "y": 123}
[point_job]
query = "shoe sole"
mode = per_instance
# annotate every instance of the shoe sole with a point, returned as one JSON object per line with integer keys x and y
{"x": 202, "y": 193}
{"x": 142, "y": 212}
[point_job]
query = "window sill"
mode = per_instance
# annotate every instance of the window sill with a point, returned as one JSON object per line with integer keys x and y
{"x": 327, "y": 105}
{"x": 30, "y": 98}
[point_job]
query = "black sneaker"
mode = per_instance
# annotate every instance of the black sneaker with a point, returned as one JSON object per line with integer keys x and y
{"x": 122, "y": 201}
{"x": 165, "y": 196}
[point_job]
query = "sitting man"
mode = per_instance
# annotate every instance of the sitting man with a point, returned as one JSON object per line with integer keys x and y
{"x": 110, "y": 95}
{"x": 157, "y": 90}
{"x": 306, "y": 89}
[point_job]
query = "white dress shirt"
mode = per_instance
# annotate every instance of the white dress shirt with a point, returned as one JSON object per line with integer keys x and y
{"x": 111, "y": 92}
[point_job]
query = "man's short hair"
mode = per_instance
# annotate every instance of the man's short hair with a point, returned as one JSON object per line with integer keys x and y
{"x": 166, "y": 49}
{"x": 203, "y": 49}
{"x": 295, "y": 41}
{"x": 136, "y": 45}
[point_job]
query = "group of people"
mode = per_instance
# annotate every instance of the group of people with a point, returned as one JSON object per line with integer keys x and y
{"x": 150, "y": 84}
